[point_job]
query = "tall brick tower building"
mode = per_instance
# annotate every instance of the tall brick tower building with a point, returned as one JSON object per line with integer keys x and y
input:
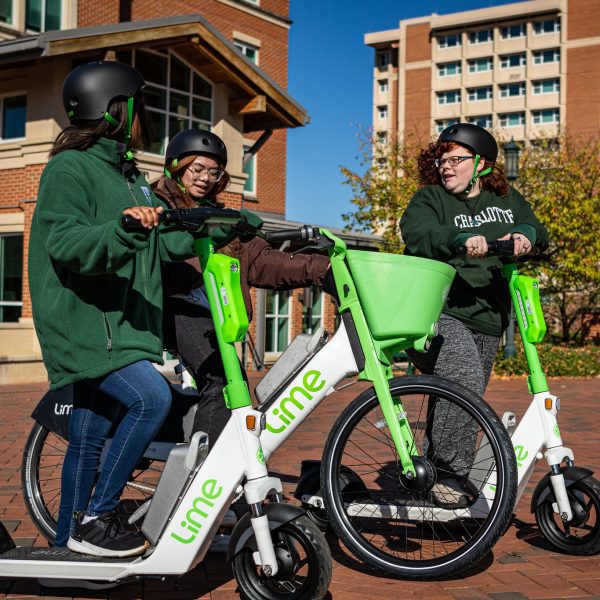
{"x": 215, "y": 64}
{"x": 522, "y": 69}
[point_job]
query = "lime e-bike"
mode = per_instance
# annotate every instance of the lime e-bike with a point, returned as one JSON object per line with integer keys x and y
{"x": 396, "y": 505}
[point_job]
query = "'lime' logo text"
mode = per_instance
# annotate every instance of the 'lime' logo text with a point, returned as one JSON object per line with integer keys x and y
{"x": 284, "y": 411}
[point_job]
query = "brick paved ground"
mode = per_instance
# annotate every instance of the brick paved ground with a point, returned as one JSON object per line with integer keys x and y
{"x": 522, "y": 566}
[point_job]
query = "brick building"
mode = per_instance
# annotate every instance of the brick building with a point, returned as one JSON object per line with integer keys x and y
{"x": 519, "y": 69}
{"x": 218, "y": 64}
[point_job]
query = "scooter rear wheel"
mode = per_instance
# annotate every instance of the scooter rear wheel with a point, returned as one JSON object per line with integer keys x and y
{"x": 41, "y": 470}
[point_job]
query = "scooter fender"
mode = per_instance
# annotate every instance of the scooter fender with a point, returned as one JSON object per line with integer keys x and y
{"x": 242, "y": 535}
{"x": 543, "y": 491}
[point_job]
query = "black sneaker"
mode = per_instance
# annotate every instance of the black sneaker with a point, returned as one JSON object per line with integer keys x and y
{"x": 106, "y": 536}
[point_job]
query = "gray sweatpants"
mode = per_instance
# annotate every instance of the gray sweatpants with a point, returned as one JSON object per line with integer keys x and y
{"x": 466, "y": 357}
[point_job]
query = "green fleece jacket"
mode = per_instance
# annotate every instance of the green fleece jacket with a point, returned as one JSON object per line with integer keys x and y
{"x": 435, "y": 222}
{"x": 96, "y": 290}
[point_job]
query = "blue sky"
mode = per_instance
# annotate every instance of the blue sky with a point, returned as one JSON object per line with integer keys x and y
{"x": 330, "y": 74}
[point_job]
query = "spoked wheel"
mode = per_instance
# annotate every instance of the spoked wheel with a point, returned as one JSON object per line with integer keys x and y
{"x": 41, "y": 473}
{"x": 304, "y": 563}
{"x": 454, "y": 510}
{"x": 580, "y": 536}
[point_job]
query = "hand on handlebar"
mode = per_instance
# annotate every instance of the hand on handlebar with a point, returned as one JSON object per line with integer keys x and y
{"x": 522, "y": 243}
{"x": 148, "y": 216}
{"x": 476, "y": 246}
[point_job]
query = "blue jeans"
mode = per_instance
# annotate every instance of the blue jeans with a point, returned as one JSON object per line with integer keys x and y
{"x": 146, "y": 396}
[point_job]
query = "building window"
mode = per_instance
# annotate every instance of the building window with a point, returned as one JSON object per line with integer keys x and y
{"x": 481, "y": 120}
{"x": 11, "y": 277}
{"x": 249, "y": 51}
{"x": 382, "y": 138}
{"x": 249, "y": 168}
{"x": 510, "y": 90}
{"x": 513, "y": 31}
{"x": 546, "y": 86}
{"x": 551, "y": 115}
{"x": 549, "y": 26}
{"x": 510, "y": 61}
{"x": 382, "y": 112}
{"x": 176, "y": 97}
{"x": 312, "y": 309}
{"x": 542, "y": 57}
{"x": 481, "y": 64}
{"x": 441, "y": 124}
{"x": 450, "y": 68}
{"x": 14, "y": 110}
{"x": 481, "y": 37}
{"x": 383, "y": 59}
{"x": 449, "y": 97}
{"x": 449, "y": 41}
{"x": 277, "y": 321}
{"x": 511, "y": 119}
{"x": 480, "y": 93}
{"x": 42, "y": 15}
{"x": 383, "y": 86}
{"x": 6, "y": 11}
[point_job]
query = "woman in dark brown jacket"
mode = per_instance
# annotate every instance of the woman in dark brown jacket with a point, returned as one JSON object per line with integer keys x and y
{"x": 195, "y": 174}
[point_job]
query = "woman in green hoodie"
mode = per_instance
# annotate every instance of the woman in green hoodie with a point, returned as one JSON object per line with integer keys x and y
{"x": 465, "y": 201}
{"x": 96, "y": 293}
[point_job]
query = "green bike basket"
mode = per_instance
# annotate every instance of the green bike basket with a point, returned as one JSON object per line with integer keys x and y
{"x": 402, "y": 296}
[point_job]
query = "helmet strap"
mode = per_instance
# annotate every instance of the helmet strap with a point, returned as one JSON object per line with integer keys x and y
{"x": 476, "y": 175}
{"x": 128, "y": 155}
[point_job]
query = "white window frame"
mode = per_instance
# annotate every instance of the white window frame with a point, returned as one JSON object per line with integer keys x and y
{"x": 3, "y": 97}
{"x": 382, "y": 138}
{"x": 537, "y": 116}
{"x": 472, "y": 93}
{"x": 245, "y": 47}
{"x": 507, "y": 28}
{"x": 473, "y": 62}
{"x": 443, "y": 40}
{"x": 11, "y": 303}
{"x": 42, "y": 15}
{"x": 320, "y": 316}
{"x": 442, "y": 68}
{"x": 476, "y": 42}
{"x": 503, "y": 119}
{"x": 488, "y": 120}
{"x": 384, "y": 86}
{"x": 442, "y": 97}
{"x": 505, "y": 89}
{"x": 539, "y": 54}
{"x": 276, "y": 317}
{"x": 251, "y": 193}
{"x": 540, "y": 23}
{"x": 537, "y": 86}
{"x": 522, "y": 60}
{"x": 382, "y": 113}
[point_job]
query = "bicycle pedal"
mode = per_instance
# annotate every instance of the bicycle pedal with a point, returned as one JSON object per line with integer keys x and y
{"x": 510, "y": 422}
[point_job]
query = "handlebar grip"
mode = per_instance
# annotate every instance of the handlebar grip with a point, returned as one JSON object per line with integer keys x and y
{"x": 130, "y": 223}
{"x": 301, "y": 234}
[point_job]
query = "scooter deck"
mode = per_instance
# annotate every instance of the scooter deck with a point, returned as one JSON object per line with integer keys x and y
{"x": 58, "y": 555}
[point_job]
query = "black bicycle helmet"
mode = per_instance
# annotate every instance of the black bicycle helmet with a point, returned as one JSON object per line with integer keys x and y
{"x": 195, "y": 141}
{"x": 89, "y": 89}
{"x": 472, "y": 136}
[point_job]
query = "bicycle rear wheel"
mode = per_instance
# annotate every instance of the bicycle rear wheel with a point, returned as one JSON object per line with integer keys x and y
{"x": 439, "y": 524}
{"x": 41, "y": 470}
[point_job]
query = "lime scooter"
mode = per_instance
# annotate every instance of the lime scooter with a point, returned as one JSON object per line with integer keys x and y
{"x": 392, "y": 507}
{"x": 276, "y": 551}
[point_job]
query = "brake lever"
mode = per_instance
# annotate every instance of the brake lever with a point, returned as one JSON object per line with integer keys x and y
{"x": 320, "y": 243}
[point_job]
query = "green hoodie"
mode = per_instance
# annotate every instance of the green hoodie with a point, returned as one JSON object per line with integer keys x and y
{"x": 96, "y": 290}
{"x": 436, "y": 221}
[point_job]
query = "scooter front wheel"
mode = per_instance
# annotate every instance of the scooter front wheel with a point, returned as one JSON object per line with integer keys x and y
{"x": 580, "y": 536}
{"x": 304, "y": 563}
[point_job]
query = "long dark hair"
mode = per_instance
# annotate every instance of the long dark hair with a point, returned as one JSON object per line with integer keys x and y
{"x": 429, "y": 174}
{"x": 81, "y": 135}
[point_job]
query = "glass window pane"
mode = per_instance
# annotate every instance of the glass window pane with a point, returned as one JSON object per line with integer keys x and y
{"x": 201, "y": 109}
{"x": 248, "y": 168}
{"x": 13, "y": 117}
{"x": 52, "y": 22}
{"x": 155, "y": 97}
{"x": 33, "y": 15}
{"x": 284, "y": 304}
{"x": 179, "y": 104}
{"x": 180, "y": 75}
{"x": 270, "y": 345}
{"x": 269, "y": 302}
{"x": 124, "y": 56}
{"x": 11, "y": 276}
{"x": 6, "y": 11}
{"x": 177, "y": 125}
{"x": 204, "y": 126}
{"x": 157, "y": 133}
{"x": 202, "y": 87}
{"x": 282, "y": 334}
{"x": 152, "y": 67}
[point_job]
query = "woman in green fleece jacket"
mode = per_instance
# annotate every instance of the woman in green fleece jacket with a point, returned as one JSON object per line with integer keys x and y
{"x": 465, "y": 200}
{"x": 96, "y": 292}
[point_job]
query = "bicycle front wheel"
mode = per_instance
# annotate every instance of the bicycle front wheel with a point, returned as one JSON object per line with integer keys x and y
{"x": 457, "y": 507}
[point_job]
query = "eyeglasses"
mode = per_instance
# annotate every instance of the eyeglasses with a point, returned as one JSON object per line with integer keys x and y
{"x": 213, "y": 175}
{"x": 451, "y": 160}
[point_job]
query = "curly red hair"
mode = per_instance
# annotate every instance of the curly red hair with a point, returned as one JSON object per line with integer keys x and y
{"x": 429, "y": 174}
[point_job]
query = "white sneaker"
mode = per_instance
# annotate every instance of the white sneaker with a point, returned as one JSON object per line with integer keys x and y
{"x": 452, "y": 492}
